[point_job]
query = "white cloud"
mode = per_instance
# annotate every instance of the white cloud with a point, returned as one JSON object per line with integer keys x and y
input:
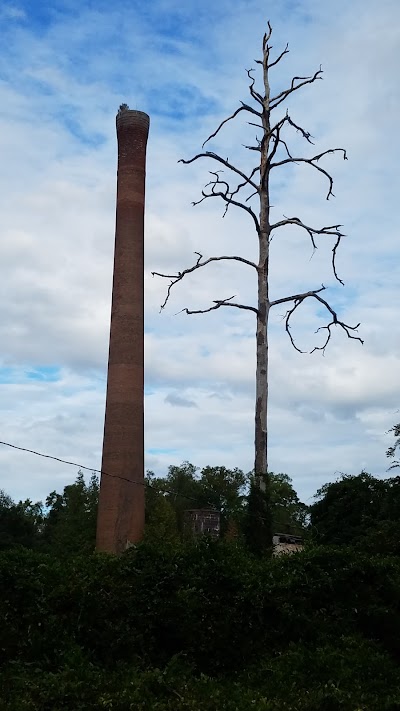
{"x": 62, "y": 79}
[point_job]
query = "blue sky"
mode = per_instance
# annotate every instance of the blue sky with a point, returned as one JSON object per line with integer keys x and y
{"x": 64, "y": 69}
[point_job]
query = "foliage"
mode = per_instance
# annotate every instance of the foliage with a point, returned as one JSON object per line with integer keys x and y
{"x": 228, "y": 491}
{"x": 289, "y": 514}
{"x": 19, "y": 523}
{"x": 204, "y": 626}
{"x": 161, "y": 520}
{"x": 355, "y": 676}
{"x": 393, "y": 449}
{"x": 181, "y": 488}
{"x": 5, "y": 500}
{"x": 258, "y": 520}
{"x": 15, "y": 528}
{"x": 70, "y": 524}
{"x": 65, "y": 525}
{"x": 184, "y": 488}
{"x": 358, "y": 510}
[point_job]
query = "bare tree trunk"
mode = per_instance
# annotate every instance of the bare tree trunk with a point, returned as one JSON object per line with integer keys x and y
{"x": 261, "y": 410}
{"x": 261, "y": 462}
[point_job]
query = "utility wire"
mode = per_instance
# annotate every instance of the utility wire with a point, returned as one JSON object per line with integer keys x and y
{"x": 96, "y": 471}
{"x": 101, "y": 471}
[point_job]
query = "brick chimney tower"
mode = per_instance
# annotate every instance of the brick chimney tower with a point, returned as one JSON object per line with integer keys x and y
{"x": 120, "y": 518}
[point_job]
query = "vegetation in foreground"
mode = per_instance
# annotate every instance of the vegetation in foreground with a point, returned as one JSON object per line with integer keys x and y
{"x": 202, "y": 625}
{"x": 176, "y": 624}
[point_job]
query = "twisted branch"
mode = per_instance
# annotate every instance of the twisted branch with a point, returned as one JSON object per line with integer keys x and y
{"x": 314, "y": 294}
{"x": 333, "y": 230}
{"x": 294, "y": 86}
{"x": 218, "y": 304}
{"x": 218, "y": 187}
{"x": 282, "y": 54}
{"x": 287, "y": 119}
{"x": 227, "y": 196}
{"x": 243, "y": 107}
{"x": 312, "y": 162}
{"x": 175, "y": 278}
{"x": 215, "y": 156}
{"x": 256, "y": 96}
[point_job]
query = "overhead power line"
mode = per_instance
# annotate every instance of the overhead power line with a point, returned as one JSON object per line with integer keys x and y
{"x": 101, "y": 471}
{"x": 90, "y": 469}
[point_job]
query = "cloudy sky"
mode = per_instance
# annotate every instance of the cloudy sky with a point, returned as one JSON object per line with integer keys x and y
{"x": 65, "y": 66}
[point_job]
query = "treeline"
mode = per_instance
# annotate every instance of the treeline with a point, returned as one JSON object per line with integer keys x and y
{"x": 361, "y": 511}
{"x": 66, "y": 523}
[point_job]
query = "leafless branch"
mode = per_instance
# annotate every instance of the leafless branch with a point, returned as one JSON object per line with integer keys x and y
{"x": 243, "y": 185}
{"x": 257, "y": 125}
{"x": 256, "y": 96}
{"x": 294, "y": 86}
{"x": 243, "y": 107}
{"x": 225, "y": 162}
{"x": 333, "y": 230}
{"x": 253, "y": 148}
{"x": 298, "y": 299}
{"x": 218, "y": 304}
{"x": 276, "y": 139}
{"x": 312, "y": 161}
{"x": 227, "y": 196}
{"x": 301, "y": 130}
{"x": 252, "y": 195}
{"x": 336, "y": 245}
{"x": 287, "y": 119}
{"x": 285, "y": 147}
{"x": 282, "y": 54}
{"x": 266, "y": 49}
{"x": 175, "y": 278}
{"x": 275, "y": 135}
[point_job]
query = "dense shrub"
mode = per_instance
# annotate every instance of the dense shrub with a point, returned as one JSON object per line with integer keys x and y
{"x": 350, "y": 676}
{"x": 203, "y": 626}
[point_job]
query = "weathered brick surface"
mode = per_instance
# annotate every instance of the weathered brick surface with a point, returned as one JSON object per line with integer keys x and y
{"x": 203, "y": 522}
{"x": 121, "y": 503}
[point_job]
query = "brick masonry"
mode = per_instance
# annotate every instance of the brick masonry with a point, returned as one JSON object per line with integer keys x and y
{"x": 122, "y": 500}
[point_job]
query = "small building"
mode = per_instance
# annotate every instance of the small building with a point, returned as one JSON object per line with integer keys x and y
{"x": 203, "y": 522}
{"x": 286, "y": 543}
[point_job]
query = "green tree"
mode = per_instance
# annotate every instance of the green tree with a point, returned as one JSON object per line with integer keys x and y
{"x": 161, "y": 521}
{"x": 70, "y": 524}
{"x": 230, "y": 492}
{"x": 180, "y": 488}
{"x": 185, "y": 487}
{"x": 5, "y": 500}
{"x": 289, "y": 514}
{"x": 225, "y": 490}
{"x": 392, "y": 450}
{"x": 345, "y": 511}
{"x": 20, "y": 524}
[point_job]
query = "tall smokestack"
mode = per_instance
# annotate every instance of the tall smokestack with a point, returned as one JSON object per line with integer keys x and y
{"x": 120, "y": 518}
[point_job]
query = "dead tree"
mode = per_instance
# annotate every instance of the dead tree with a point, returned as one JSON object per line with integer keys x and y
{"x": 273, "y": 154}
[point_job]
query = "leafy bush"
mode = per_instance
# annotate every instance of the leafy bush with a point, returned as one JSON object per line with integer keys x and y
{"x": 204, "y": 626}
{"x": 350, "y": 676}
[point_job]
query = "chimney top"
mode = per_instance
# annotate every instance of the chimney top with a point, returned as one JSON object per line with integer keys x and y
{"x": 131, "y": 117}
